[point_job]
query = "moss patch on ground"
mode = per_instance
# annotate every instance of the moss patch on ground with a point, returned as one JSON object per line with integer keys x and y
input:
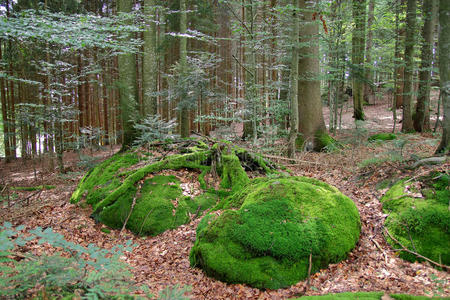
{"x": 365, "y": 296}
{"x": 124, "y": 189}
{"x": 270, "y": 230}
{"x": 33, "y": 188}
{"x": 382, "y": 137}
{"x": 419, "y": 217}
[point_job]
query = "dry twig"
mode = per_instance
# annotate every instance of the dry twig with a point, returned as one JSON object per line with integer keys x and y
{"x": 415, "y": 253}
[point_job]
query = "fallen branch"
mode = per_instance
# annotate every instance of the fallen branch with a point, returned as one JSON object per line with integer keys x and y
{"x": 379, "y": 248}
{"x": 430, "y": 161}
{"x": 415, "y": 253}
{"x": 131, "y": 210}
{"x": 308, "y": 281}
{"x": 293, "y": 159}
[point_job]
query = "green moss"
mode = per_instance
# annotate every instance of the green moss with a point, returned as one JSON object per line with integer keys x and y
{"x": 267, "y": 242}
{"x": 111, "y": 187}
{"x": 232, "y": 174}
{"x": 154, "y": 211}
{"x": 105, "y": 230}
{"x": 34, "y": 188}
{"x": 382, "y": 137}
{"x": 101, "y": 180}
{"x": 421, "y": 224}
{"x": 325, "y": 141}
{"x": 174, "y": 162}
{"x": 349, "y": 296}
{"x": 412, "y": 297}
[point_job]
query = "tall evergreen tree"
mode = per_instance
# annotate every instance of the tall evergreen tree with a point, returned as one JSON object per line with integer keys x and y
{"x": 184, "y": 112}
{"x": 407, "y": 122}
{"x": 149, "y": 62}
{"x": 127, "y": 86}
{"x": 294, "y": 80}
{"x": 369, "y": 43}
{"x": 444, "y": 72}
{"x": 358, "y": 46}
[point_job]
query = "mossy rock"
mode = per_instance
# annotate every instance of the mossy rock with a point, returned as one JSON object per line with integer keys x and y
{"x": 419, "y": 217}
{"x": 382, "y": 137}
{"x": 271, "y": 228}
{"x": 127, "y": 189}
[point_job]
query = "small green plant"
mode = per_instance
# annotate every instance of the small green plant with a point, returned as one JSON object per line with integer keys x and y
{"x": 438, "y": 285}
{"x": 91, "y": 272}
{"x": 174, "y": 293}
{"x": 153, "y": 128}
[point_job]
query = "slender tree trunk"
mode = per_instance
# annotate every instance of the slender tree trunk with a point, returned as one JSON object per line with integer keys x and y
{"x": 358, "y": 44}
{"x": 5, "y": 121}
{"x": 12, "y": 118}
{"x": 149, "y": 73}
{"x": 368, "y": 72}
{"x": 294, "y": 81}
{"x": 185, "y": 114}
{"x": 311, "y": 123}
{"x": 423, "y": 99}
{"x": 407, "y": 123}
{"x": 127, "y": 87}
{"x": 444, "y": 71}
{"x": 396, "y": 73}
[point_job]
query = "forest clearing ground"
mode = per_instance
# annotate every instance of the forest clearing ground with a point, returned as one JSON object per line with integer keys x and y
{"x": 164, "y": 260}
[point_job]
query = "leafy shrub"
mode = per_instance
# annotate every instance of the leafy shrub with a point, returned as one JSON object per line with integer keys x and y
{"x": 90, "y": 272}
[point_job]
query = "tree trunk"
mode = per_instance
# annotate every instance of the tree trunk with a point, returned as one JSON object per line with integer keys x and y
{"x": 444, "y": 70}
{"x": 294, "y": 81}
{"x": 369, "y": 67}
{"x": 311, "y": 123}
{"x": 149, "y": 74}
{"x": 127, "y": 87}
{"x": 3, "y": 92}
{"x": 184, "y": 117}
{"x": 358, "y": 44}
{"x": 407, "y": 123}
{"x": 423, "y": 99}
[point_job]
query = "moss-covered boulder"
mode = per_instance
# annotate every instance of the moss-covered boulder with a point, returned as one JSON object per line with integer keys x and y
{"x": 419, "y": 217}
{"x": 129, "y": 189}
{"x": 268, "y": 231}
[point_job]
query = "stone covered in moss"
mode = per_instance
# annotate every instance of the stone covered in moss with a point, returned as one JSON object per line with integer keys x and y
{"x": 123, "y": 187}
{"x": 382, "y": 137}
{"x": 419, "y": 217}
{"x": 270, "y": 230}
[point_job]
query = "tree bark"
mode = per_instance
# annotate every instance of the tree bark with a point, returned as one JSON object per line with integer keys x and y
{"x": 311, "y": 123}
{"x": 294, "y": 81}
{"x": 368, "y": 72}
{"x": 149, "y": 74}
{"x": 358, "y": 44}
{"x": 184, "y": 116}
{"x": 407, "y": 123}
{"x": 423, "y": 99}
{"x": 127, "y": 87}
{"x": 444, "y": 70}
{"x": 3, "y": 92}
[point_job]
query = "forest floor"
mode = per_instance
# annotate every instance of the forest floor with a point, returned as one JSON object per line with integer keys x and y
{"x": 164, "y": 260}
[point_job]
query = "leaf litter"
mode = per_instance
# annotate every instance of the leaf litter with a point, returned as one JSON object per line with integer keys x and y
{"x": 163, "y": 260}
